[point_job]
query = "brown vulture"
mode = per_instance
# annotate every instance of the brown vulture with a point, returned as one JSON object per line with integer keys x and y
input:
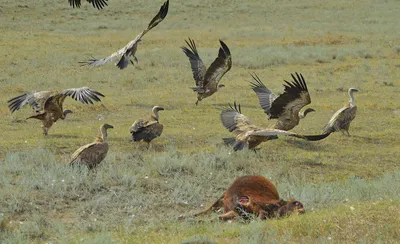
{"x": 49, "y": 108}
{"x": 207, "y": 79}
{"x": 93, "y": 153}
{"x": 285, "y": 107}
{"x": 147, "y": 130}
{"x": 124, "y": 54}
{"x": 99, "y": 4}
{"x": 247, "y": 133}
{"x": 341, "y": 120}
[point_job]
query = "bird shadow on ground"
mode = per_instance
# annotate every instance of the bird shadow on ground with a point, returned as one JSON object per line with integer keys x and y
{"x": 305, "y": 145}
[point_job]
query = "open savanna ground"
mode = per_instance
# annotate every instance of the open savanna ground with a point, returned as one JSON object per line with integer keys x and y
{"x": 348, "y": 185}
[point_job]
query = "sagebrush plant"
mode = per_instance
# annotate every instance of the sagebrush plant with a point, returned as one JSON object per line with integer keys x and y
{"x": 348, "y": 185}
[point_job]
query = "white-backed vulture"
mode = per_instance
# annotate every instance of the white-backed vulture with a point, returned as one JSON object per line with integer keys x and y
{"x": 99, "y": 4}
{"x": 147, "y": 130}
{"x": 49, "y": 108}
{"x": 93, "y": 153}
{"x": 207, "y": 80}
{"x": 124, "y": 54}
{"x": 247, "y": 133}
{"x": 341, "y": 120}
{"x": 285, "y": 107}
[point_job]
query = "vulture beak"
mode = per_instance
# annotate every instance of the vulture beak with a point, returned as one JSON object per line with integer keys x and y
{"x": 159, "y": 109}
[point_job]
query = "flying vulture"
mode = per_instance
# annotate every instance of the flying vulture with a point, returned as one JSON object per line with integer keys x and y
{"x": 207, "y": 80}
{"x": 285, "y": 107}
{"x": 124, "y": 54}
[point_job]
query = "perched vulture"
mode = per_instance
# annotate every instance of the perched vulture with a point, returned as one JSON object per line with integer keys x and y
{"x": 207, "y": 79}
{"x": 99, "y": 4}
{"x": 247, "y": 133}
{"x": 147, "y": 130}
{"x": 285, "y": 107}
{"x": 49, "y": 108}
{"x": 93, "y": 153}
{"x": 125, "y": 53}
{"x": 341, "y": 120}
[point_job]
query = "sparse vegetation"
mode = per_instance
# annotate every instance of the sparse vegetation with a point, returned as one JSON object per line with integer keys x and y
{"x": 348, "y": 185}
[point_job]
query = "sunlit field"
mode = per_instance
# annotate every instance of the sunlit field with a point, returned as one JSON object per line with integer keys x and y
{"x": 349, "y": 185}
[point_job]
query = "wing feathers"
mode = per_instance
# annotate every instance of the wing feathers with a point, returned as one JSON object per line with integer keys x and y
{"x": 220, "y": 66}
{"x": 197, "y": 65}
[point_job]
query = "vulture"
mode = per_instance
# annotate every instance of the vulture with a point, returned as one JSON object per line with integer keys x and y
{"x": 124, "y": 54}
{"x": 93, "y": 153}
{"x": 147, "y": 130}
{"x": 49, "y": 108}
{"x": 207, "y": 79}
{"x": 99, "y": 4}
{"x": 247, "y": 133}
{"x": 341, "y": 120}
{"x": 285, "y": 107}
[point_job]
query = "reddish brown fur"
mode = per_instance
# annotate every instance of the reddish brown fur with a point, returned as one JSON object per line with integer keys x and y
{"x": 253, "y": 195}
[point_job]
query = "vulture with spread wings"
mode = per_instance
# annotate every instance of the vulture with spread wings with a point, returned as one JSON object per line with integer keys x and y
{"x": 147, "y": 130}
{"x": 49, "y": 108}
{"x": 124, "y": 54}
{"x": 93, "y": 153}
{"x": 99, "y": 4}
{"x": 247, "y": 133}
{"x": 341, "y": 120}
{"x": 285, "y": 107}
{"x": 207, "y": 80}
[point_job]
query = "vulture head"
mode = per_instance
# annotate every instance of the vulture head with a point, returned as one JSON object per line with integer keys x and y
{"x": 305, "y": 112}
{"x": 351, "y": 90}
{"x": 67, "y": 111}
{"x": 107, "y": 126}
{"x": 220, "y": 86}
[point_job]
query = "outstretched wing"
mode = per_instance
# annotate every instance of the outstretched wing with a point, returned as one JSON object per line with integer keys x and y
{"x": 84, "y": 95}
{"x": 124, "y": 53}
{"x": 265, "y": 96}
{"x": 294, "y": 98}
{"x": 233, "y": 119}
{"x": 99, "y": 4}
{"x": 198, "y": 67}
{"x": 34, "y": 99}
{"x": 219, "y": 67}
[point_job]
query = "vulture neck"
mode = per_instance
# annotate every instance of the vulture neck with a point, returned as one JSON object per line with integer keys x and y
{"x": 103, "y": 135}
{"x": 351, "y": 102}
{"x": 155, "y": 115}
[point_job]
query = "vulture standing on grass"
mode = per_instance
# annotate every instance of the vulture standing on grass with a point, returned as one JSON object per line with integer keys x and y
{"x": 147, "y": 130}
{"x": 250, "y": 134}
{"x": 99, "y": 4}
{"x": 207, "y": 80}
{"x": 285, "y": 107}
{"x": 93, "y": 153}
{"x": 49, "y": 108}
{"x": 341, "y": 120}
{"x": 124, "y": 54}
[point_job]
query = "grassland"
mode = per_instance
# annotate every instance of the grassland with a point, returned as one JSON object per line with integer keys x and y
{"x": 349, "y": 185}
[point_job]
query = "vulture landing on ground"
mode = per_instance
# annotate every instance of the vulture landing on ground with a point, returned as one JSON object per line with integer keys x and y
{"x": 93, "y": 153}
{"x": 250, "y": 134}
{"x": 341, "y": 120}
{"x": 207, "y": 79}
{"x": 124, "y": 54}
{"x": 147, "y": 130}
{"x": 99, "y": 4}
{"x": 50, "y": 108}
{"x": 285, "y": 107}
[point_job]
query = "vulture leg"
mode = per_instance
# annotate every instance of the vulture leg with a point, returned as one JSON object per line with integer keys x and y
{"x": 45, "y": 130}
{"x": 136, "y": 60}
{"x": 348, "y": 134}
{"x": 197, "y": 102}
{"x": 131, "y": 61}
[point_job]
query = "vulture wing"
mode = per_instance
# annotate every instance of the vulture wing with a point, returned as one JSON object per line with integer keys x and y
{"x": 265, "y": 96}
{"x": 124, "y": 53}
{"x": 219, "y": 67}
{"x": 83, "y": 95}
{"x": 294, "y": 98}
{"x": 34, "y": 99}
{"x": 91, "y": 154}
{"x": 341, "y": 119}
{"x": 99, "y": 4}
{"x": 198, "y": 67}
{"x": 233, "y": 119}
